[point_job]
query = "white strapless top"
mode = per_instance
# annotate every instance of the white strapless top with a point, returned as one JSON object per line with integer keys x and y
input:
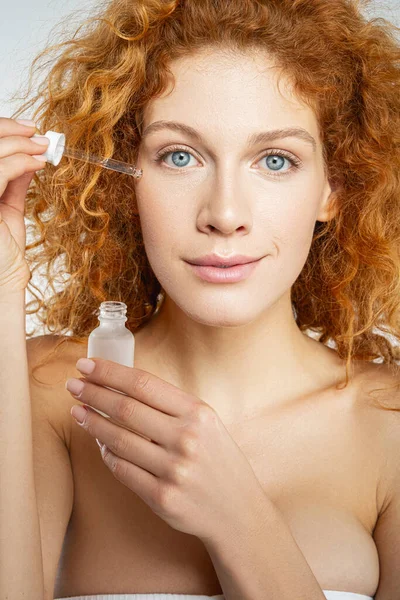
{"x": 329, "y": 594}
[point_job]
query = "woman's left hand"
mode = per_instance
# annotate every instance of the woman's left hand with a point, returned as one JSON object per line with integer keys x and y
{"x": 171, "y": 449}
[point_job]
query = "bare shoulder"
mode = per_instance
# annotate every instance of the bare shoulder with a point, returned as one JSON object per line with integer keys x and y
{"x": 384, "y": 382}
{"x": 390, "y": 399}
{"x": 380, "y": 395}
{"x": 51, "y": 361}
{"x": 379, "y": 385}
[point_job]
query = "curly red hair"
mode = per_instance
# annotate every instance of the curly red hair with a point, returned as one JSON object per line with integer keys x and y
{"x": 343, "y": 65}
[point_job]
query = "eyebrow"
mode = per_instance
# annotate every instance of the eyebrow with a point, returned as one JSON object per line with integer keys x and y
{"x": 264, "y": 137}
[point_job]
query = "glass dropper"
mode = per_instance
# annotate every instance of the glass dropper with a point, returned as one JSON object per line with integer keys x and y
{"x": 57, "y": 149}
{"x": 106, "y": 163}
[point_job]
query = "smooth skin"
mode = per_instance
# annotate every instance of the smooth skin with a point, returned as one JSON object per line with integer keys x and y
{"x": 171, "y": 449}
{"x": 20, "y": 157}
{"x": 20, "y": 543}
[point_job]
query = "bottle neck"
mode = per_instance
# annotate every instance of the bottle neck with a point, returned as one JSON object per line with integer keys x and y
{"x": 113, "y": 323}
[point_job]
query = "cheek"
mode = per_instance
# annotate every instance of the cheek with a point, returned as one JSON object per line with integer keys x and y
{"x": 161, "y": 225}
{"x": 290, "y": 225}
{"x": 292, "y": 211}
{"x": 297, "y": 230}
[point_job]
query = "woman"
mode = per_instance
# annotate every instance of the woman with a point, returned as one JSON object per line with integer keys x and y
{"x": 238, "y": 464}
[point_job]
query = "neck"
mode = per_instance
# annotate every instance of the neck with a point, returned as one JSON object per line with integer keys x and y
{"x": 237, "y": 370}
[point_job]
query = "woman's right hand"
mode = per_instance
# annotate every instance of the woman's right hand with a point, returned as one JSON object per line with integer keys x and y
{"x": 20, "y": 157}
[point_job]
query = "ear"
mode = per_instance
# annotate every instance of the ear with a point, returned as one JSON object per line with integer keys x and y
{"x": 329, "y": 204}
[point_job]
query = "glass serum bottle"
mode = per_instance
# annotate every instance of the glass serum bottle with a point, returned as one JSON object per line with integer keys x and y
{"x": 111, "y": 340}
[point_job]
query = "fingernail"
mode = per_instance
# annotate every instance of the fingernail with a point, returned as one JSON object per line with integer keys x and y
{"x": 39, "y": 157}
{"x": 79, "y": 413}
{"x": 101, "y": 446}
{"x": 40, "y": 139}
{"x": 85, "y": 365}
{"x": 75, "y": 386}
{"x": 26, "y": 122}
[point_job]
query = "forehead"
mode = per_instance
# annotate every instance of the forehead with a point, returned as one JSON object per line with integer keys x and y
{"x": 229, "y": 92}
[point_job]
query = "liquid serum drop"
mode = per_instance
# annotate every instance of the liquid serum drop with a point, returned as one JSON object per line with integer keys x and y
{"x": 111, "y": 340}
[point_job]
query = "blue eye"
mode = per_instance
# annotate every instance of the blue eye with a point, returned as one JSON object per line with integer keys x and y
{"x": 179, "y": 157}
{"x": 275, "y": 160}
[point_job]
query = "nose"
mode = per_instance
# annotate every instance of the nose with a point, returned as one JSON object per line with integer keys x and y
{"x": 226, "y": 205}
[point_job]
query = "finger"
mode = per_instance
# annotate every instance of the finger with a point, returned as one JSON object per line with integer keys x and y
{"x": 11, "y": 127}
{"x": 126, "y": 446}
{"x": 16, "y": 144}
{"x": 143, "y": 484}
{"x": 128, "y": 412}
{"x": 18, "y": 167}
{"x": 143, "y": 386}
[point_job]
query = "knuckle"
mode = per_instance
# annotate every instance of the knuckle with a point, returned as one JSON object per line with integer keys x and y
{"x": 119, "y": 444}
{"x": 203, "y": 413}
{"x": 125, "y": 409}
{"x": 105, "y": 371}
{"x": 188, "y": 443}
{"x": 141, "y": 381}
{"x": 178, "y": 472}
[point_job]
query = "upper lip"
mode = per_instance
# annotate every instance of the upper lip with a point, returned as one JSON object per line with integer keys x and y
{"x": 215, "y": 260}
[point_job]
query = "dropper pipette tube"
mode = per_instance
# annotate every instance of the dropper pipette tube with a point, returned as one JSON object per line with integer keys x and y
{"x": 57, "y": 149}
{"x": 106, "y": 163}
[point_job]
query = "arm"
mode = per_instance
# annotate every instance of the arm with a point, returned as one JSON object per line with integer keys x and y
{"x": 260, "y": 559}
{"x": 21, "y": 568}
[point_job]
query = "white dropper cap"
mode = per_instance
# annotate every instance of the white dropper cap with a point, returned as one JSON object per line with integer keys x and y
{"x": 55, "y": 149}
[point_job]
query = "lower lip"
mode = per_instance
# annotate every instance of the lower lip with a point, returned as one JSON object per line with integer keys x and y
{"x": 227, "y": 275}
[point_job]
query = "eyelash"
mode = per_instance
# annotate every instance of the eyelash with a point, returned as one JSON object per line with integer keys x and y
{"x": 296, "y": 163}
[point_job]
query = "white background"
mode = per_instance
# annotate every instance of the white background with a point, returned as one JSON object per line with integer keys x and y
{"x": 26, "y": 27}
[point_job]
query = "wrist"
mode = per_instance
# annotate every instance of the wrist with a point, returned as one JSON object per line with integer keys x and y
{"x": 253, "y": 514}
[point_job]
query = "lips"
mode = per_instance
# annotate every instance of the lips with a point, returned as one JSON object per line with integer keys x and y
{"x": 214, "y": 260}
{"x": 225, "y": 274}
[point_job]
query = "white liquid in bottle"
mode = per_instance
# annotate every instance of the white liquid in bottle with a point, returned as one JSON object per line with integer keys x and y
{"x": 111, "y": 340}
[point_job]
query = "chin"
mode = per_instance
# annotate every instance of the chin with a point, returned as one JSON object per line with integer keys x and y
{"x": 216, "y": 315}
{"x": 230, "y": 305}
